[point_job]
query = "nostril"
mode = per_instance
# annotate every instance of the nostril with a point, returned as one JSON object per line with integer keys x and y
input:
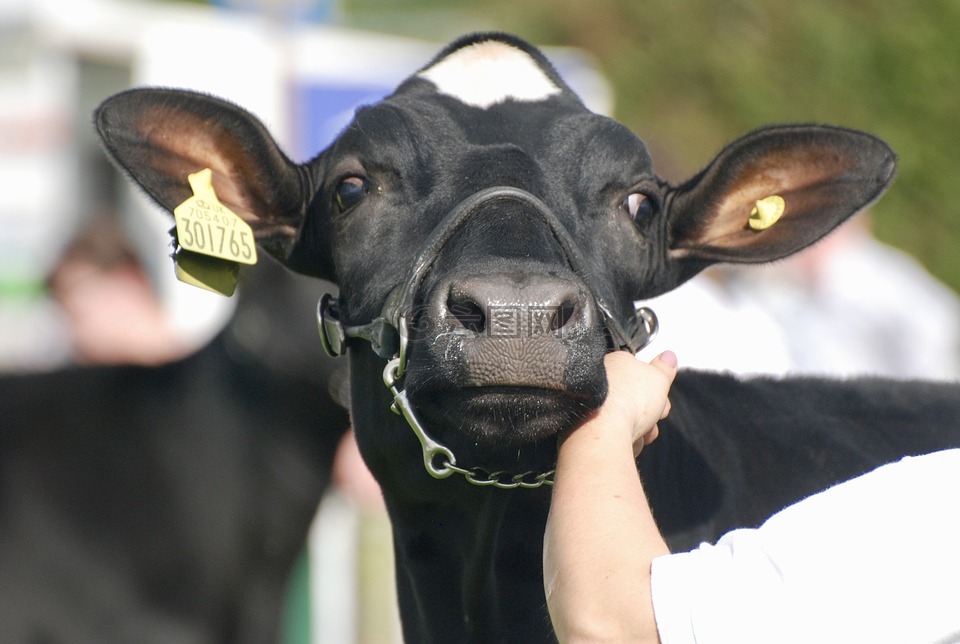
{"x": 468, "y": 313}
{"x": 562, "y": 315}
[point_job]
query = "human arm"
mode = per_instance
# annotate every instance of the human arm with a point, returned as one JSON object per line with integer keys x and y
{"x": 601, "y": 536}
{"x": 822, "y": 569}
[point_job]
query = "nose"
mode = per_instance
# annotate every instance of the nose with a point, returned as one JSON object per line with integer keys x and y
{"x": 513, "y": 305}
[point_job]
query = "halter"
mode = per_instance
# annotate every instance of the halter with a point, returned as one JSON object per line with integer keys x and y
{"x": 388, "y": 334}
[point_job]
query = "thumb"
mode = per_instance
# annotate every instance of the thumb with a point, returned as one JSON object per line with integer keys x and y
{"x": 666, "y": 363}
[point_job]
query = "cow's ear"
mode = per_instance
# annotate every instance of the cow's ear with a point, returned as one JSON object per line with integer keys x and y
{"x": 160, "y": 136}
{"x": 807, "y": 180}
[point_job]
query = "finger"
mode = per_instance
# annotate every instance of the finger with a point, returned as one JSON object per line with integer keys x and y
{"x": 645, "y": 440}
{"x": 651, "y": 435}
{"x": 666, "y": 363}
{"x": 668, "y": 358}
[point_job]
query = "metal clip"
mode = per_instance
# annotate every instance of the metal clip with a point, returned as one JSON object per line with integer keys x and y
{"x": 647, "y": 327}
{"x": 332, "y": 336}
{"x": 438, "y": 460}
{"x": 432, "y": 450}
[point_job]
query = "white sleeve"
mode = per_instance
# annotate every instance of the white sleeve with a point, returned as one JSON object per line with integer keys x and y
{"x": 873, "y": 559}
{"x": 730, "y": 592}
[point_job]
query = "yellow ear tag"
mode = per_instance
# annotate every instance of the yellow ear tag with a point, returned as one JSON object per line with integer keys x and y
{"x": 206, "y": 226}
{"x": 203, "y": 271}
{"x": 766, "y": 212}
{"x": 212, "y": 240}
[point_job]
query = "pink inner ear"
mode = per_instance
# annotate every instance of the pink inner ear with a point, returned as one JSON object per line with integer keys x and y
{"x": 803, "y": 176}
{"x": 177, "y": 144}
{"x": 185, "y": 144}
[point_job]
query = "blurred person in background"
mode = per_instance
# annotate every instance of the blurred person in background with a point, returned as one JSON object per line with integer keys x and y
{"x": 848, "y": 305}
{"x": 111, "y": 312}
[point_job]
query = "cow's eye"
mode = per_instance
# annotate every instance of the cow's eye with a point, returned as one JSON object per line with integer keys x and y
{"x": 350, "y": 191}
{"x": 639, "y": 206}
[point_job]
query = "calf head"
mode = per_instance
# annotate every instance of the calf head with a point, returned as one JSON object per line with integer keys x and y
{"x": 502, "y": 227}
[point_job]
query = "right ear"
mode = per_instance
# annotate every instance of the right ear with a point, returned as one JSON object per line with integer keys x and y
{"x": 820, "y": 175}
{"x": 160, "y": 136}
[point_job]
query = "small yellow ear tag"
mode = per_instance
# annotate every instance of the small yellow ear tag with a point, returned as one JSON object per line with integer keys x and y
{"x": 766, "y": 212}
{"x": 206, "y": 226}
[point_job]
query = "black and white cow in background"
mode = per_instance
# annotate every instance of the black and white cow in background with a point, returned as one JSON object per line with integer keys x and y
{"x": 168, "y": 504}
{"x": 489, "y": 236}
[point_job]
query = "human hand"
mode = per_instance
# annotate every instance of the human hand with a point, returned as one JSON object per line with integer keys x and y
{"x": 643, "y": 389}
{"x": 601, "y": 536}
{"x": 637, "y": 396}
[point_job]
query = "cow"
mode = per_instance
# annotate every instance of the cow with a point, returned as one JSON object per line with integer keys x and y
{"x": 168, "y": 503}
{"x": 490, "y": 237}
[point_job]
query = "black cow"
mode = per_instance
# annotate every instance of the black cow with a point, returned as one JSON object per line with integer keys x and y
{"x": 167, "y": 504}
{"x": 489, "y": 236}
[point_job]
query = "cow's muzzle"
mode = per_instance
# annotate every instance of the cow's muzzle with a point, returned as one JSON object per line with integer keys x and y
{"x": 389, "y": 333}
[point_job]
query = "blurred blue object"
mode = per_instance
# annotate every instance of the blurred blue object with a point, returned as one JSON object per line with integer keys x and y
{"x": 320, "y": 110}
{"x": 294, "y": 10}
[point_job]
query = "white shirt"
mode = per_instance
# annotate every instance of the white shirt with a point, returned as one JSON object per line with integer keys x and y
{"x": 875, "y": 559}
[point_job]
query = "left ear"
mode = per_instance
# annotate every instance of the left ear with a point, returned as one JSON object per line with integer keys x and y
{"x": 161, "y": 136}
{"x": 822, "y": 174}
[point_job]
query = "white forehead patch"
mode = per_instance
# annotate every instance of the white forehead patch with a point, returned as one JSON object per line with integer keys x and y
{"x": 490, "y": 72}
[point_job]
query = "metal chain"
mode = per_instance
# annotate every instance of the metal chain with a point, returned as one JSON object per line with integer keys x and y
{"x": 439, "y": 461}
{"x": 503, "y": 480}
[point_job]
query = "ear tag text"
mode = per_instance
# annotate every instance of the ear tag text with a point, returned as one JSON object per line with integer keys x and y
{"x": 212, "y": 241}
{"x": 766, "y": 212}
{"x": 206, "y": 226}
